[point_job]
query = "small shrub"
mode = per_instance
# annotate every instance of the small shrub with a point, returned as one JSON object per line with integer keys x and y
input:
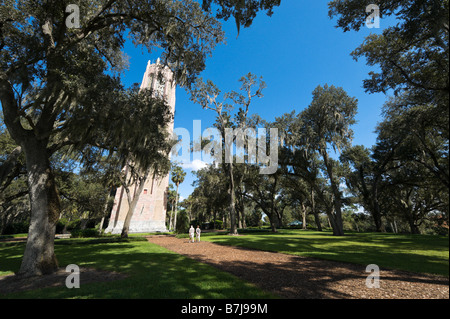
{"x": 16, "y": 228}
{"x": 219, "y": 224}
{"x": 182, "y": 223}
{"x": 84, "y": 233}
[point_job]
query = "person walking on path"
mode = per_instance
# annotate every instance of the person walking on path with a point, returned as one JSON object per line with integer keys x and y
{"x": 191, "y": 234}
{"x": 198, "y": 231}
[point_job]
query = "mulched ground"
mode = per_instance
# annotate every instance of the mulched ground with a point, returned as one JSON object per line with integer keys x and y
{"x": 12, "y": 283}
{"x": 298, "y": 277}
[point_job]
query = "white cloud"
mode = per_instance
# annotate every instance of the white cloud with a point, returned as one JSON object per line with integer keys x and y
{"x": 195, "y": 165}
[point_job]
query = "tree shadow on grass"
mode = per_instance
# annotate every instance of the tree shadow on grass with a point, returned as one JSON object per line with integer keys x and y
{"x": 16, "y": 284}
{"x": 153, "y": 272}
{"x": 390, "y": 252}
{"x": 310, "y": 278}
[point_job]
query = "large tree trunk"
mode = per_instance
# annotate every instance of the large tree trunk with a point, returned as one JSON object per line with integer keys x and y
{"x": 274, "y": 219}
{"x": 315, "y": 213}
{"x": 233, "y": 226}
{"x": 176, "y": 210}
{"x": 171, "y": 217}
{"x": 105, "y": 208}
{"x": 414, "y": 228}
{"x": 336, "y": 222}
{"x": 376, "y": 213}
{"x": 132, "y": 202}
{"x": 337, "y": 229}
{"x": 409, "y": 214}
{"x": 126, "y": 223}
{"x": 371, "y": 198}
{"x": 238, "y": 217}
{"x": 303, "y": 208}
{"x": 39, "y": 256}
{"x": 273, "y": 226}
{"x": 242, "y": 223}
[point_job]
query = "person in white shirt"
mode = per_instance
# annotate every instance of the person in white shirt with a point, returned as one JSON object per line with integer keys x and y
{"x": 198, "y": 231}
{"x": 191, "y": 234}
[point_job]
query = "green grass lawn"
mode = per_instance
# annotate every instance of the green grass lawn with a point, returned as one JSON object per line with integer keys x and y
{"x": 13, "y": 236}
{"x": 416, "y": 253}
{"x": 154, "y": 272}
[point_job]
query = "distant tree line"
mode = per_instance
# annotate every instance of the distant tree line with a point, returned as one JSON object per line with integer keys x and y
{"x": 400, "y": 184}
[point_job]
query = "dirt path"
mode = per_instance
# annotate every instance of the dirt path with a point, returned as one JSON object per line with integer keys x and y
{"x": 302, "y": 277}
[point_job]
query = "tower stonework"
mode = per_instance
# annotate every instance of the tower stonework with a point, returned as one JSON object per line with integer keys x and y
{"x": 150, "y": 212}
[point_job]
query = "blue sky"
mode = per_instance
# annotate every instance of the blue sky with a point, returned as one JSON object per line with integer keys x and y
{"x": 295, "y": 50}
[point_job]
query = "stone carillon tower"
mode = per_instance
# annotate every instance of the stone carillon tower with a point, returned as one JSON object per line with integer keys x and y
{"x": 150, "y": 212}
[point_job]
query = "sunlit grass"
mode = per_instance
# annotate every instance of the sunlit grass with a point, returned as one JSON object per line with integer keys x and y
{"x": 153, "y": 272}
{"x": 417, "y": 253}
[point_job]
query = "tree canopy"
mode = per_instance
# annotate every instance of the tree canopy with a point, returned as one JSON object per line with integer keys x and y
{"x": 60, "y": 85}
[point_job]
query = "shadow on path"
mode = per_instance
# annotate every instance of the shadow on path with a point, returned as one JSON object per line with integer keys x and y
{"x": 303, "y": 277}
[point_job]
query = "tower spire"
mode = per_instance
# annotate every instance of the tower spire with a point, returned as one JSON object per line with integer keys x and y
{"x": 150, "y": 211}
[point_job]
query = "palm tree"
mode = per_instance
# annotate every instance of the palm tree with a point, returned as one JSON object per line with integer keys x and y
{"x": 177, "y": 178}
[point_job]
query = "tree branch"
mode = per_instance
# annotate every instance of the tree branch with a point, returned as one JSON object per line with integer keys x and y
{"x": 11, "y": 110}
